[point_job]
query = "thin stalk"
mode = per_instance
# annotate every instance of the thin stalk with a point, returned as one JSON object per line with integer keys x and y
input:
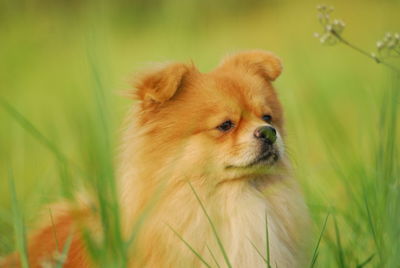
{"x": 368, "y": 260}
{"x": 64, "y": 253}
{"x": 267, "y": 241}
{"x": 339, "y": 244}
{"x": 315, "y": 254}
{"x": 213, "y": 257}
{"x": 260, "y": 254}
{"x": 372, "y": 227}
{"x": 365, "y": 53}
{"x": 53, "y": 227}
{"x": 190, "y": 247}
{"x": 19, "y": 226}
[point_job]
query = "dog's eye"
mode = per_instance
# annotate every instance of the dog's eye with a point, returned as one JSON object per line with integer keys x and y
{"x": 225, "y": 126}
{"x": 267, "y": 118}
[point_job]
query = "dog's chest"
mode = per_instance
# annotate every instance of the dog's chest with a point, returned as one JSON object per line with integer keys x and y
{"x": 241, "y": 221}
{"x": 252, "y": 233}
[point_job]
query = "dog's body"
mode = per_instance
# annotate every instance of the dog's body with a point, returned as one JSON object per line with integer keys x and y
{"x": 203, "y": 161}
{"x": 239, "y": 214}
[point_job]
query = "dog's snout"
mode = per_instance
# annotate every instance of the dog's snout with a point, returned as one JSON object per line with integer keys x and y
{"x": 266, "y": 134}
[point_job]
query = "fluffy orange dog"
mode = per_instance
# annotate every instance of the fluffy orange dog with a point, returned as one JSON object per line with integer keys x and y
{"x": 218, "y": 135}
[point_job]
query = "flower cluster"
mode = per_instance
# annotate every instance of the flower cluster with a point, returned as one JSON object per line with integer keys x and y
{"x": 389, "y": 46}
{"x": 332, "y": 28}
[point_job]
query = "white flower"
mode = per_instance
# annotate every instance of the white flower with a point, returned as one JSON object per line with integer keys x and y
{"x": 379, "y": 44}
{"x": 388, "y": 36}
{"x": 391, "y": 44}
{"x": 324, "y": 38}
{"x": 338, "y": 26}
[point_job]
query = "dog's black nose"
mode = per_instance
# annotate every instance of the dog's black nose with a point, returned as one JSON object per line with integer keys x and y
{"x": 266, "y": 134}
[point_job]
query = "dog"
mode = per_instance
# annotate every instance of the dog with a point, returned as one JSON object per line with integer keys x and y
{"x": 203, "y": 158}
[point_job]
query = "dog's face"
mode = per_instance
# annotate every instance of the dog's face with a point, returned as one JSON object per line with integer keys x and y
{"x": 226, "y": 124}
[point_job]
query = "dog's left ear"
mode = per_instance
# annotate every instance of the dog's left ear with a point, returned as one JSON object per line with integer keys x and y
{"x": 258, "y": 62}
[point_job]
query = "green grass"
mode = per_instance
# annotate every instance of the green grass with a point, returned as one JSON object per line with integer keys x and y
{"x": 19, "y": 224}
{"x": 213, "y": 228}
{"x": 63, "y": 66}
{"x": 198, "y": 255}
{"x": 316, "y": 252}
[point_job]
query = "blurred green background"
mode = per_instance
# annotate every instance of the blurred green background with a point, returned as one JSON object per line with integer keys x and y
{"x": 332, "y": 95}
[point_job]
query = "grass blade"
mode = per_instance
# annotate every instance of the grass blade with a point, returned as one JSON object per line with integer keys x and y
{"x": 64, "y": 253}
{"x": 19, "y": 226}
{"x": 315, "y": 254}
{"x": 368, "y": 260}
{"x": 54, "y": 230}
{"x": 190, "y": 247}
{"x": 259, "y": 253}
{"x": 212, "y": 227}
{"x": 31, "y": 129}
{"x": 213, "y": 257}
{"x": 372, "y": 226}
{"x": 267, "y": 241}
{"x": 339, "y": 244}
{"x": 113, "y": 246}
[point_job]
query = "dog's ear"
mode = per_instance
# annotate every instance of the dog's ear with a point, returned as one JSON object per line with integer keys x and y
{"x": 258, "y": 62}
{"x": 161, "y": 84}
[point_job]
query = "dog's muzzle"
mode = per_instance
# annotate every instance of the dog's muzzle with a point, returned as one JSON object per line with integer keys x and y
{"x": 267, "y": 136}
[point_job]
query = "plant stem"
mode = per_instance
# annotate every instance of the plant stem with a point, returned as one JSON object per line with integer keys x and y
{"x": 365, "y": 53}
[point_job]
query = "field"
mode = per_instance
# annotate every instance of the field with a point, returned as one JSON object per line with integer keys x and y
{"x": 65, "y": 64}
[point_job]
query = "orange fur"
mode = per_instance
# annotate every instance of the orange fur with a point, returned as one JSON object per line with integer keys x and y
{"x": 172, "y": 143}
{"x": 43, "y": 247}
{"x": 48, "y": 242}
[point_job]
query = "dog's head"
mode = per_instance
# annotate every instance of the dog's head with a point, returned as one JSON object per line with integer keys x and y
{"x": 227, "y": 123}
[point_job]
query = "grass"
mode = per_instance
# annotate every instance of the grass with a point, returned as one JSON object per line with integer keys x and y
{"x": 62, "y": 66}
{"x": 198, "y": 255}
{"x": 19, "y": 224}
{"x": 315, "y": 253}
{"x": 64, "y": 253}
{"x": 213, "y": 228}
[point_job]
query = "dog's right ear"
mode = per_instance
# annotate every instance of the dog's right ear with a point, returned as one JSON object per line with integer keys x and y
{"x": 161, "y": 84}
